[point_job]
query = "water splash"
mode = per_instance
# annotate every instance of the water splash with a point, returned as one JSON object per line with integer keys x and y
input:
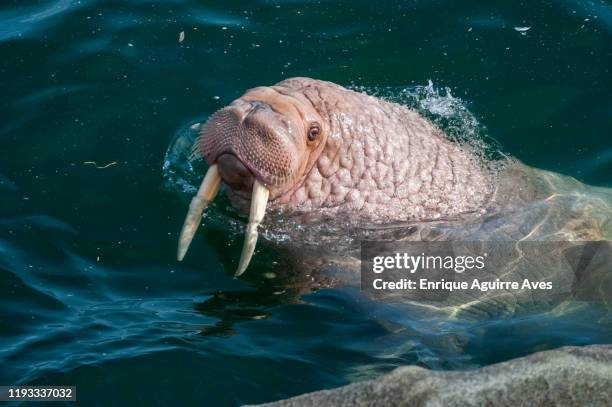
{"x": 447, "y": 111}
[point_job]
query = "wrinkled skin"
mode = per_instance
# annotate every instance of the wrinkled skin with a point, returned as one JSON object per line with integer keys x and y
{"x": 370, "y": 158}
{"x": 375, "y": 170}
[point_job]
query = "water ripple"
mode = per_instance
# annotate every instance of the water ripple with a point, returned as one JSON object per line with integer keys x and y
{"x": 28, "y": 21}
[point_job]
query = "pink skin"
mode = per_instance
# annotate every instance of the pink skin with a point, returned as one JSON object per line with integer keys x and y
{"x": 366, "y": 156}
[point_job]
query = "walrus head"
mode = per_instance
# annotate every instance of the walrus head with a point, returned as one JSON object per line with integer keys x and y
{"x": 262, "y": 145}
{"x": 270, "y": 135}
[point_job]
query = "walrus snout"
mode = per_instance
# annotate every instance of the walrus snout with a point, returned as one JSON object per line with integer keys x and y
{"x": 235, "y": 174}
{"x": 247, "y": 148}
{"x": 261, "y": 146}
{"x": 259, "y": 137}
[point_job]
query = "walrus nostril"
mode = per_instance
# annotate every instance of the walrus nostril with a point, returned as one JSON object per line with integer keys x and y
{"x": 234, "y": 173}
{"x": 257, "y": 105}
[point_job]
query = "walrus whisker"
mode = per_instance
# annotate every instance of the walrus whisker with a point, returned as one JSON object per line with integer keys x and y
{"x": 259, "y": 200}
{"x": 195, "y": 153}
{"x": 207, "y": 192}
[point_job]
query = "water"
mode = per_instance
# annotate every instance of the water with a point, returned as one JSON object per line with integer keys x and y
{"x": 90, "y": 293}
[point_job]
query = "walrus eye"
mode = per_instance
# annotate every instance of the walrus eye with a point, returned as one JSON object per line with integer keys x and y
{"x": 313, "y": 132}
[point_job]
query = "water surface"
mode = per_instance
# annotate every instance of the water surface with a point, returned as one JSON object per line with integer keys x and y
{"x": 93, "y": 93}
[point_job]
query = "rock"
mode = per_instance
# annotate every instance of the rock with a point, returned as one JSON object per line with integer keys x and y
{"x": 569, "y": 376}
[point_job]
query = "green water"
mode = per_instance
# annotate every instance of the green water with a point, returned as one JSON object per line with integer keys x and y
{"x": 90, "y": 292}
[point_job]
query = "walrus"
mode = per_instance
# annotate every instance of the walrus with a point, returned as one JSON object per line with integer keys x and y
{"x": 305, "y": 144}
{"x": 311, "y": 146}
{"x": 329, "y": 166}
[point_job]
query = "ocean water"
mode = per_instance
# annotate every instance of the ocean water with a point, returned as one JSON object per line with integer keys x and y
{"x": 94, "y": 92}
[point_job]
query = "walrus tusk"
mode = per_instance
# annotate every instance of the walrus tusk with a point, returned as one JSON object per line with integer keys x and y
{"x": 207, "y": 192}
{"x": 259, "y": 200}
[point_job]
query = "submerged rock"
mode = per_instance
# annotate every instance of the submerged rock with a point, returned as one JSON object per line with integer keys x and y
{"x": 569, "y": 376}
